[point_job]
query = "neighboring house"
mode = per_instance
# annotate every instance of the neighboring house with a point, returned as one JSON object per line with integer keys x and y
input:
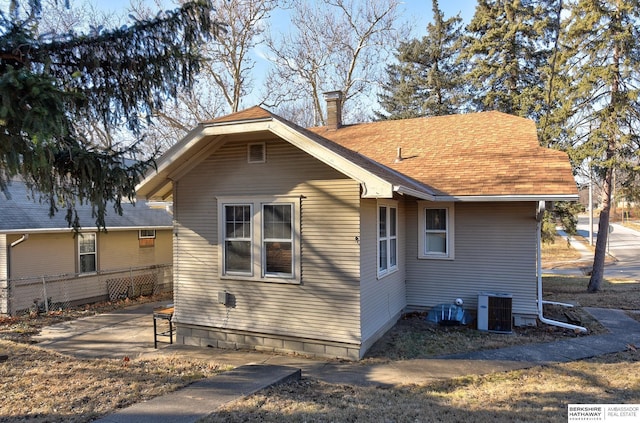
{"x": 315, "y": 241}
{"x": 41, "y": 253}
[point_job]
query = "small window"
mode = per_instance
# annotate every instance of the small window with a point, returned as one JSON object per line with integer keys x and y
{"x": 387, "y": 239}
{"x": 256, "y": 153}
{"x": 146, "y": 238}
{"x": 87, "y": 260}
{"x": 436, "y": 231}
{"x": 147, "y": 233}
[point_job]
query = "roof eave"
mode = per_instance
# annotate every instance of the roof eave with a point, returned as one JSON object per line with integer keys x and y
{"x": 70, "y": 230}
{"x": 507, "y": 198}
{"x": 414, "y": 193}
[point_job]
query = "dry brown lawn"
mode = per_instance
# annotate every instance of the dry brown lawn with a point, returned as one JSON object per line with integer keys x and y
{"x": 37, "y": 385}
{"x": 633, "y": 225}
{"x": 559, "y": 252}
{"x": 539, "y": 394}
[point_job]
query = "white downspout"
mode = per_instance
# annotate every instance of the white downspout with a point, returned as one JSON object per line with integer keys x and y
{"x": 543, "y": 319}
{"x": 20, "y": 240}
{"x": 13, "y": 244}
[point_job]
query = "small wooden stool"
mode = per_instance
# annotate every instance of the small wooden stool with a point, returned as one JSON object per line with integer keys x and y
{"x": 163, "y": 314}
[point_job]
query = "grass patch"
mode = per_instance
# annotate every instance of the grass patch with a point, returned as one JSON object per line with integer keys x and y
{"x": 621, "y": 294}
{"x": 413, "y": 337}
{"x": 559, "y": 251}
{"x": 39, "y": 385}
{"x": 539, "y": 394}
{"x": 632, "y": 225}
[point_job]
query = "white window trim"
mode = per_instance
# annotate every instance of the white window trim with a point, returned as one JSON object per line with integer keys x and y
{"x": 450, "y": 236}
{"x": 94, "y": 253}
{"x": 390, "y": 269}
{"x": 140, "y": 236}
{"x": 221, "y": 228}
{"x": 258, "y": 273}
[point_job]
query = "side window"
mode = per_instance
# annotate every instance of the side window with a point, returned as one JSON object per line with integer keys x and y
{"x": 436, "y": 226}
{"x": 436, "y": 231}
{"x": 87, "y": 249}
{"x": 387, "y": 239}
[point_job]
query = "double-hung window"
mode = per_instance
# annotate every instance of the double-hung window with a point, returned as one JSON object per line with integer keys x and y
{"x": 387, "y": 238}
{"x": 277, "y": 239}
{"x": 260, "y": 239}
{"x": 436, "y": 223}
{"x": 238, "y": 238}
{"x": 87, "y": 249}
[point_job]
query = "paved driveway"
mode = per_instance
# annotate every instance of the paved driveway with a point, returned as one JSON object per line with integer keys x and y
{"x": 624, "y": 245}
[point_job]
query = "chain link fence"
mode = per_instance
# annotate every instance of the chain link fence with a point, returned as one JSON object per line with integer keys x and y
{"x": 59, "y": 292}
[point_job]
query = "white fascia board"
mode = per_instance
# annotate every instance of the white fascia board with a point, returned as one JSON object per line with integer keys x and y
{"x": 505, "y": 198}
{"x": 185, "y": 167}
{"x": 170, "y": 163}
{"x": 372, "y": 185}
{"x": 155, "y": 179}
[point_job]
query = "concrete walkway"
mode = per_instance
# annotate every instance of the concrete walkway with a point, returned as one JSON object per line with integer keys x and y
{"x": 130, "y": 332}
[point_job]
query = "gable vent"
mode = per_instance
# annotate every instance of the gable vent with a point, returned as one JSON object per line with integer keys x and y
{"x": 256, "y": 153}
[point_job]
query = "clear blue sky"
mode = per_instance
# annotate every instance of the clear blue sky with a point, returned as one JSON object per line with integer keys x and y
{"x": 418, "y": 10}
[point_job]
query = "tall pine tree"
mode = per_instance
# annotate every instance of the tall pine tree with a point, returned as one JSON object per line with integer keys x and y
{"x": 426, "y": 79}
{"x": 602, "y": 61}
{"x": 507, "y": 45}
{"x": 117, "y": 77}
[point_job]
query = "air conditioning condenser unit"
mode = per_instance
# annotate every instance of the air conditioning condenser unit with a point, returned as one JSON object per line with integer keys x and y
{"x": 495, "y": 312}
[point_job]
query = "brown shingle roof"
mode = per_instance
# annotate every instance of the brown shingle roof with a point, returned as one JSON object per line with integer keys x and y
{"x": 488, "y": 153}
{"x": 252, "y": 113}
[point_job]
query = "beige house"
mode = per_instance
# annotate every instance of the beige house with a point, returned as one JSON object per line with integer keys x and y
{"x": 315, "y": 241}
{"x": 41, "y": 258}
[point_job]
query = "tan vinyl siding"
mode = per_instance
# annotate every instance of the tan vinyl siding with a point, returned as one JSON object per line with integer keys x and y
{"x": 382, "y": 299}
{"x": 56, "y": 253}
{"x": 4, "y": 245}
{"x": 325, "y": 304}
{"x": 121, "y": 249}
{"x": 495, "y": 251}
{"x": 43, "y": 254}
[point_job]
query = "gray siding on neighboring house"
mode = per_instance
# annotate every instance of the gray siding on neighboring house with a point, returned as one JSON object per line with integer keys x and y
{"x": 325, "y": 306}
{"x": 495, "y": 251}
{"x": 382, "y": 299}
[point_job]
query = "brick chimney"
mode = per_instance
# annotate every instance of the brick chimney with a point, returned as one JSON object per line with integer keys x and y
{"x": 334, "y": 109}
